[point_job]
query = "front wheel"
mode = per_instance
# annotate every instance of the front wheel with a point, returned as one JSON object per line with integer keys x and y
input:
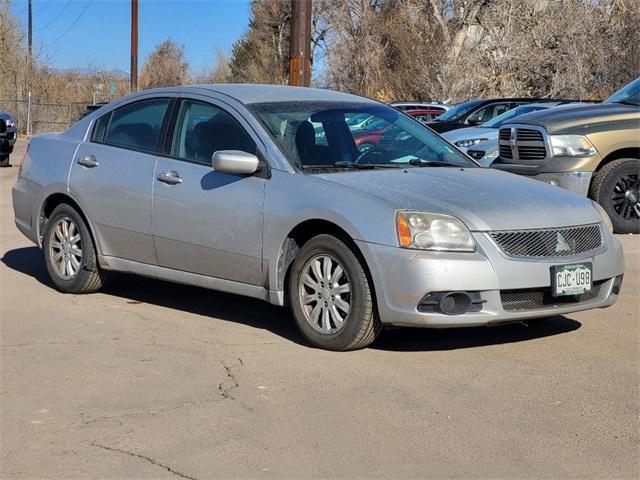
{"x": 331, "y": 298}
{"x": 617, "y": 188}
{"x": 4, "y": 161}
{"x": 69, "y": 253}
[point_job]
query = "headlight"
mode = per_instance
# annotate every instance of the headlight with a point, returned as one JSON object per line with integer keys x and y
{"x": 605, "y": 216}
{"x": 571, "y": 146}
{"x": 10, "y": 123}
{"x": 470, "y": 142}
{"x": 432, "y": 231}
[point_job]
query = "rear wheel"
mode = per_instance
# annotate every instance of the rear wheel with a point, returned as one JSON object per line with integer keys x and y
{"x": 4, "y": 161}
{"x": 69, "y": 253}
{"x": 617, "y": 188}
{"x": 331, "y": 298}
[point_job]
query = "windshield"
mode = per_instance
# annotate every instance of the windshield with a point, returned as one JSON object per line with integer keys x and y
{"x": 319, "y": 135}
{"x": 627, "y": 95}
{"x": 498, "y": 121}
{"x": 458, "y": 111}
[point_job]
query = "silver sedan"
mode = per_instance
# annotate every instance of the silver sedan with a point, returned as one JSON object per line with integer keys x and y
{"x": 231, "y": 187}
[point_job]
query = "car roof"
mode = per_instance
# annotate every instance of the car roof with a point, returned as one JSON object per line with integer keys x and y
{"x": 261, "y": 93}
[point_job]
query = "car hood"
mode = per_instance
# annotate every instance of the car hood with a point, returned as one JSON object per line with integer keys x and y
{"x": 573, "y": 119}
{"x": 485, "y": 199}
{"x": 467, "y": 133}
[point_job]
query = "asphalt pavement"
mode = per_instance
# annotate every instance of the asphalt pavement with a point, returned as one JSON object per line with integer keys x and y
{"x": 149, "y": 379}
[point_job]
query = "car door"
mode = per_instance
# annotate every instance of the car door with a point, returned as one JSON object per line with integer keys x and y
{"x": 204, "y": 221}
{"x": 112, "y": 177}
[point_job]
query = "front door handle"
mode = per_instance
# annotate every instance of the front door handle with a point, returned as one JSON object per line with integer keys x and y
{"x": 88, "y": 161}
{"x": 170, "y": 178}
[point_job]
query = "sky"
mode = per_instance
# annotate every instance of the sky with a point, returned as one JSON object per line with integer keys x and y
{"x": 96, "y": 33}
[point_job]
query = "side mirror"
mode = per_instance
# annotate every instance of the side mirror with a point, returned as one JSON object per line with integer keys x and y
{"x": 235, "y": 162}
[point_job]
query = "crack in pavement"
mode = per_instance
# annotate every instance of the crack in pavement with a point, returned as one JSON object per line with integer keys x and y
{"x": 152, "y": 461}
{"x": 225, "y": 391}
{"x": 158, "y": 411}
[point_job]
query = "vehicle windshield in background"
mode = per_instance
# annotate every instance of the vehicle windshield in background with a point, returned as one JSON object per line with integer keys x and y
{"x": 457, "y": 111}
{"x": 627, "y": 95}
{"x": 510, "y": 114}
{"x": 323, "y": 135}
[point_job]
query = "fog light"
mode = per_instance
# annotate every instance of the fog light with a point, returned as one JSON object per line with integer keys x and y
{"x": 617, "y": 285}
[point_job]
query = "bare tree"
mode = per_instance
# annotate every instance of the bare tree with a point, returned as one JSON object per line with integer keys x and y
{"x": 165, "y": 66}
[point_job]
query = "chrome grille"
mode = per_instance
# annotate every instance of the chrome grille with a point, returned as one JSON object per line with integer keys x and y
{"x": 522, "y": 144}
{"x": 528, "y": 135}
{"x": 539, "y": 298}
{"x": 561, "y": 242}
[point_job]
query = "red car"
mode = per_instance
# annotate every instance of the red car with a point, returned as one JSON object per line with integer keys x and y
{"x": 374, "y": 133}
{"x": 425, "y": 115}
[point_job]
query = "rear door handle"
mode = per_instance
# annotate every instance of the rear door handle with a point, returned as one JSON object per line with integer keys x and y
{"x": 170, "y": 178}
{"x": 88, "y": 161}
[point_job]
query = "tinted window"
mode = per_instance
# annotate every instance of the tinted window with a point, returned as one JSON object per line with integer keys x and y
{"x": 136, "y": 125}
{"x": 459, "y": 111}
{"x": 203, "y": 129}
{"x": 491, "y": 111}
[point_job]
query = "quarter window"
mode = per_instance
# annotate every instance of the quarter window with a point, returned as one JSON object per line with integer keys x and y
{"x": 136, "y": 126}
{"x": 202, "y": 129}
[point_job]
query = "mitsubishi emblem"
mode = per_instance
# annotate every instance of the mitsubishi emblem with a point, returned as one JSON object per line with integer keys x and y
{"x": 561, "y": 244}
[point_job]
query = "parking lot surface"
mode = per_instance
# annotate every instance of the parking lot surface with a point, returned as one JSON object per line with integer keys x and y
{"x": 154, "y": 380}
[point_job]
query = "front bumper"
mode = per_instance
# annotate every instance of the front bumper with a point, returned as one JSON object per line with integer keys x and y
{"x": 403, "y": 277}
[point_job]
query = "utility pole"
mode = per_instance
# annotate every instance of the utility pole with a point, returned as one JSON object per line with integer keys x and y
{"x": 30, "y": 38}
{"x": 300, "y": 48}
{"x": 134, "y": 46}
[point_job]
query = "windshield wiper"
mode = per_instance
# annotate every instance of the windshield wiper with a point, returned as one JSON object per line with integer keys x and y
{"x": 416, "y": 162}
{"x": 364, "y": 166}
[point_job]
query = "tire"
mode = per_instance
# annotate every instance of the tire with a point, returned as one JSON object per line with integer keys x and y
{"x": 86, "y": 275}
{"x": 4, "y": 161}
{"x": 617, "y": 188}
{"x": 360, "y": 322}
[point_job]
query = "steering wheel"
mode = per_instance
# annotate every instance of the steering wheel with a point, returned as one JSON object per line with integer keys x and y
{"x": 370, "y": 151}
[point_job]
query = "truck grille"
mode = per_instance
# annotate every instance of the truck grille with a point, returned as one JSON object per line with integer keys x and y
{"x": 521, "y": 144}
{"x": 539, "y": 298}
{"x": 549, "y": 243}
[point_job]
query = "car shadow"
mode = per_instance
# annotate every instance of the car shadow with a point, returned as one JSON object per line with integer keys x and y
{"x": 258, "y": 314}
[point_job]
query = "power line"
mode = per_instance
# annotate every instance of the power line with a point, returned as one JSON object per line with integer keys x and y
{"x": 72, "y": 25}
{"x": 54, "y": 18}
{"x": 43, "y": 8}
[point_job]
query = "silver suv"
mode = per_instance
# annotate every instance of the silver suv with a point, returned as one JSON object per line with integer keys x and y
{"x": 261, "y": 191}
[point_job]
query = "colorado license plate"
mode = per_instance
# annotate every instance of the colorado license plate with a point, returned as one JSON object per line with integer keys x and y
{"x": 571, "y": 279}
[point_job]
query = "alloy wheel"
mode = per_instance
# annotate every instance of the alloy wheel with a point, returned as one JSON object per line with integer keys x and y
{"x": 325, "y": 294}
{"x": 65, "y": 248}
{"x": 626, "y": 196}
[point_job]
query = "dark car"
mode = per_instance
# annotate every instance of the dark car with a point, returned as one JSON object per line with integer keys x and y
{"x": 475, "y": 112}
{"x": 8, "y": 136}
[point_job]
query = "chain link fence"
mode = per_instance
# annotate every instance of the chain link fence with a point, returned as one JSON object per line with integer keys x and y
{"x": 41, "y": 116}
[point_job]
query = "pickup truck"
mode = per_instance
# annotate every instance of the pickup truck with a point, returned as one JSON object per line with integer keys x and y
{"x": 592, "y": 150}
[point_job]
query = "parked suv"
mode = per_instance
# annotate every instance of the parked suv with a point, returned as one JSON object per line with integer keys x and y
{"x": 8, "y": 135}
{"x": 475, "y": 112}
{"x": 591, "y": 150}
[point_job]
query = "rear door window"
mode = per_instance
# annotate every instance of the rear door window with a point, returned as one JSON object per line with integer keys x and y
{"x": 136, "y": 125}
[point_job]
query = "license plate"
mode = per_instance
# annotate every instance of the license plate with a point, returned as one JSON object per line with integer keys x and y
{"x": 571, "y": 279}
